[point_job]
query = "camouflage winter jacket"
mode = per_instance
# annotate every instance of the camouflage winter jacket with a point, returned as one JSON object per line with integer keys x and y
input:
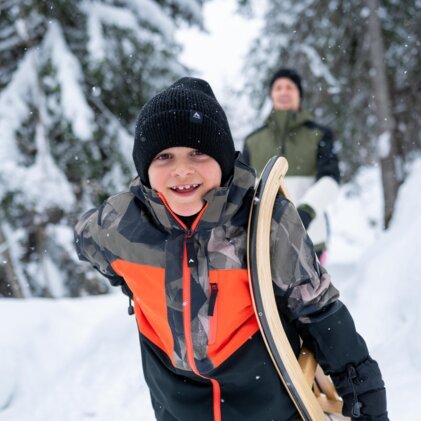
{"x": 202, "y": 354}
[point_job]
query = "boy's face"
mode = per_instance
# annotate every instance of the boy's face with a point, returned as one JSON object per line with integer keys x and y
{"x": 285, "y": 95}
{"x": 183, "y": 176}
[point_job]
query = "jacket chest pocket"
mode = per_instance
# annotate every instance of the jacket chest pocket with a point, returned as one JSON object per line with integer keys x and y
{"x": 212, "y": 312}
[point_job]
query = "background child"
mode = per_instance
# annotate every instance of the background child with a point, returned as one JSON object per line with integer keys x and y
{"x": 176, "y": 242}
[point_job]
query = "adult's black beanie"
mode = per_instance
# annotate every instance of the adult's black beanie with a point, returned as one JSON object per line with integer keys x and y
{"x": 290, "y": 74}
{"x": 185, "y": 114}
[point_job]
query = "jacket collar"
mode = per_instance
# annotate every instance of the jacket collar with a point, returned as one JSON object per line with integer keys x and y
{"x": 280, "y": 120}
{"x": 222, "y": 203}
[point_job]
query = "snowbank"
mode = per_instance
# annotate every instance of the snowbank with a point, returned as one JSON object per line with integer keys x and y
{"x": 387, "y": 308}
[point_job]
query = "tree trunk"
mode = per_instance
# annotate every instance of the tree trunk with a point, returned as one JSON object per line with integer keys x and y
{"x": 10, "y": 285}
{"x": 386, "y": 143}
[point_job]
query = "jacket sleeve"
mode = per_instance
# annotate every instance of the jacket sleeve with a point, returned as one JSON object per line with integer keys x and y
{"x": 326, "y": 188}
{"x": 245, "y": 155}
{"x": 87, "y": 240}
{"x": 327, "y": 158}
{"x": 324, "y": 323}
{"x": 298, "y": 278}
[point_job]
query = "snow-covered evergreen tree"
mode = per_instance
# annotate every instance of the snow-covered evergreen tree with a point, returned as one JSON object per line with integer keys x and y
{"x": 73, "y": 76}
{"x": 327, "y": 42}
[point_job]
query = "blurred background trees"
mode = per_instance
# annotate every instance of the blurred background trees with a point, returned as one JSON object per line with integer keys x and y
{"x": 74, "y": 74}
{"x": 360, "y": 64}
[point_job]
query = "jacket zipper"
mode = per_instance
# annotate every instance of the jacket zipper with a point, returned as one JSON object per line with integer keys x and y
{"x": 284, "y": 135}
{"x": 188, "y": 337}
{"x": 187, "y": 262}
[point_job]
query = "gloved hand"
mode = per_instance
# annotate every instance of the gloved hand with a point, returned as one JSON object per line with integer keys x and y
{"x": 371, "y": 406}
{"x": 307, "y": 214}
{"x": 362, "y": 390}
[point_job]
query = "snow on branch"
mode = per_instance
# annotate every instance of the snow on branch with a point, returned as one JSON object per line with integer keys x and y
{"x": 14, "y": 108}
{"x": 149, "y": 11}
{"x": 101, "y": 14}
{"x": 317, "y": 67}
{"x": 70, "y": 77}
{"x": 191, "y": 7}
{"x": 43, "y": 184}
{"x": 96, "y": 43}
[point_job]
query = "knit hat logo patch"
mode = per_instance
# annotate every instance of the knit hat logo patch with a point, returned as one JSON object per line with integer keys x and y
{"x": 196, "y": 117}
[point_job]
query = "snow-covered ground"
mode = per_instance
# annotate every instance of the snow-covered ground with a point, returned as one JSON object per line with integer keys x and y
{"x": 70, "y": 360}
{"x": 378, "y": 276}
{"x": 79, "y": 359}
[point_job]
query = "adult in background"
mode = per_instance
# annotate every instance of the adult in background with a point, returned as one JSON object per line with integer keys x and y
{"x": 313, "y": 175}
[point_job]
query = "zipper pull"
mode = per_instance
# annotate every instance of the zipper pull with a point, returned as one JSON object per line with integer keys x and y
{"x": 191, "y": 253}
{"x": 356, "y": 405}
{"x": 212, "y": 299}
{"x": 130, "y": 309}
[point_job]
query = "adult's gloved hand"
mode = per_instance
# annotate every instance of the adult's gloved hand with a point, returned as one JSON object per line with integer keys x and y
{"x": 362, "y": 390}
{"x": 307, "y": 214}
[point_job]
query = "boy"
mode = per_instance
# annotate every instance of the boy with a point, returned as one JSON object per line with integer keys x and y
{"x": 176, "y": 243}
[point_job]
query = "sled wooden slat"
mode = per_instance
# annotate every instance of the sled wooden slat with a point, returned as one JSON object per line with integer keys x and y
{"x": 326, "y": 385}
{"x": 308, "y": 365}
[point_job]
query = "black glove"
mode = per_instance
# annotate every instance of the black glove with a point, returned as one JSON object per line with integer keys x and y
{"x": 362, "y": 390}
{"x": 307, "y": 214}
{"x": 371, "y": 406}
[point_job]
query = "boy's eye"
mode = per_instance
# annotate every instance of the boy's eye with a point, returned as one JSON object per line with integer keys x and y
{"x": 198, "y": 153}
{"x": 163, "y": 156}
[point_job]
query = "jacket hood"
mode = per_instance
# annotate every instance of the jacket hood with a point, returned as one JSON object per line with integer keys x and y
{"x": 222, "y": 202}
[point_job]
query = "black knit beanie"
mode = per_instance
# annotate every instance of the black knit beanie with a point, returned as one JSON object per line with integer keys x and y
{"x": 186, "y": 114}
{"x": 290, "y": 74}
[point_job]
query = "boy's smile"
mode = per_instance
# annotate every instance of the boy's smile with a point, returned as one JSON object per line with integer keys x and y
{"x": 185, "y": 189}
{"x": 183, "y": 176}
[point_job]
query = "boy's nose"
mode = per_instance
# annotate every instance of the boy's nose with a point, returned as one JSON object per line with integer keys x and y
{"x": 183, "y": 170}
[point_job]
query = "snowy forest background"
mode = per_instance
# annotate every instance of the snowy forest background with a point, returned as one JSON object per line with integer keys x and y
{"x": 73, "y": 76}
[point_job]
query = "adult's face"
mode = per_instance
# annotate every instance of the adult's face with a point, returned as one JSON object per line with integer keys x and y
{"x": 285, "y": 95}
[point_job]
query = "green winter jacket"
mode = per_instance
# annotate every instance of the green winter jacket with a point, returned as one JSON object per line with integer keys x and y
{"x": 313, "y": 170}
